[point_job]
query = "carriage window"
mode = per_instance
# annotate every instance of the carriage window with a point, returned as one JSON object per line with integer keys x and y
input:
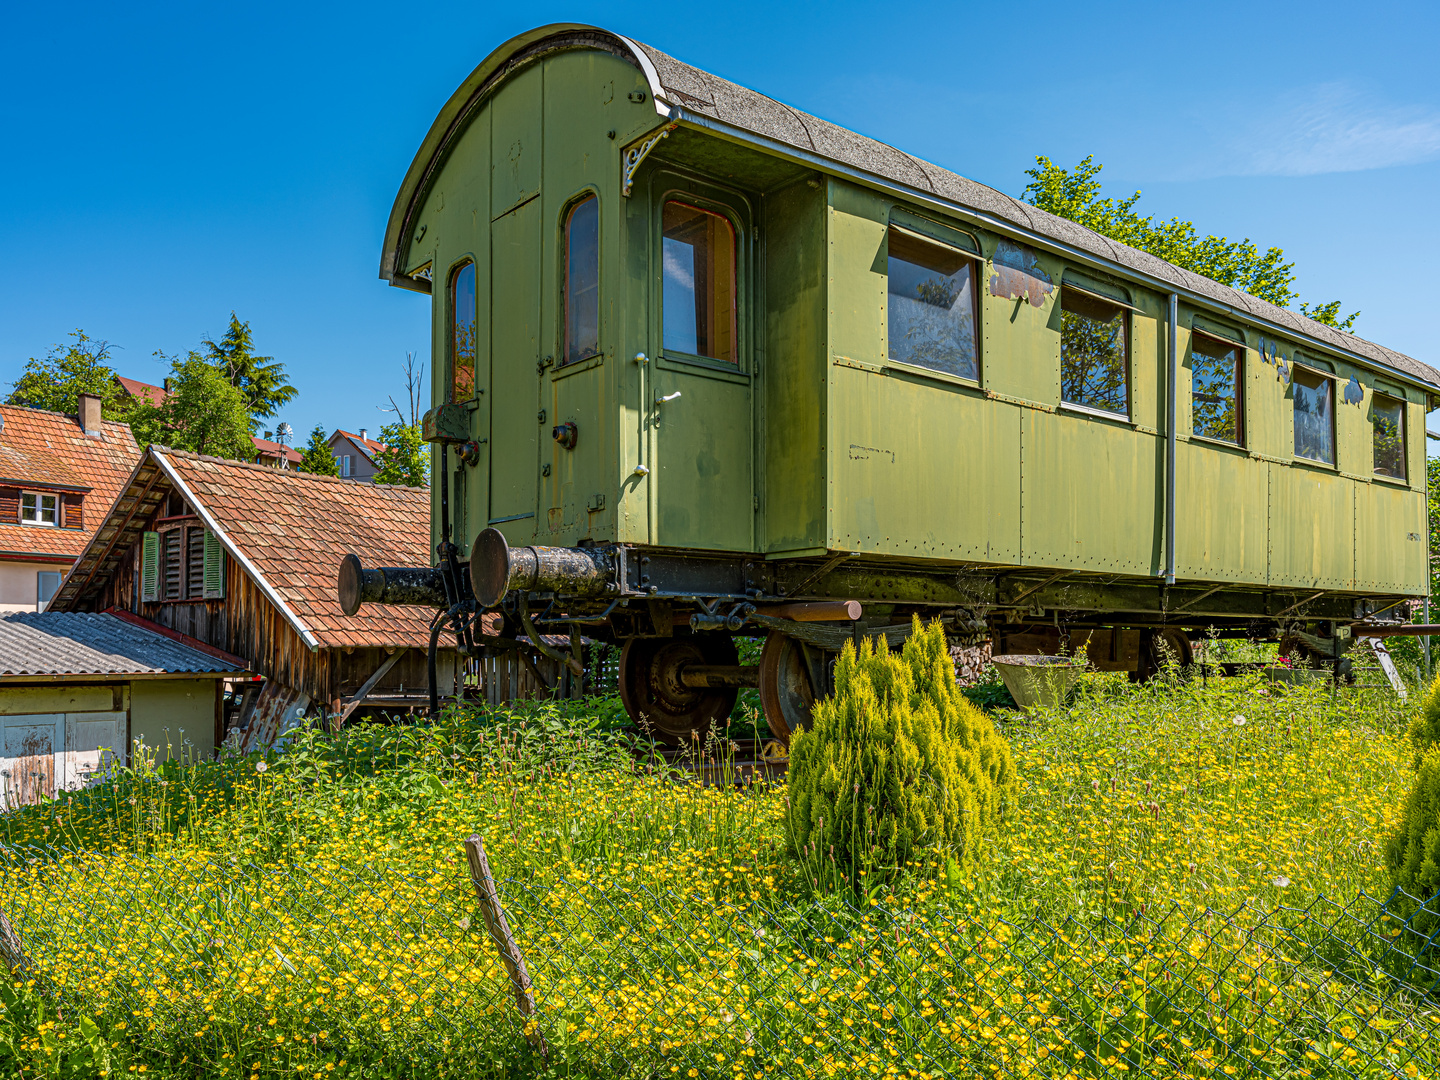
{"x": 582, "y": 281}
{"x": 699, "y": 291}
{"x": 931, "y": 306}
{"x": 1387, "y": 420}
{"x": 1094, "y": 348}
{"x": 462, "y": 333}
{"x": 1314, "y": 416}
{"x": 1215, "y": 368}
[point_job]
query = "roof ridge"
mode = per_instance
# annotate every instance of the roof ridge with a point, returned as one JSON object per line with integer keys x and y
{"x": 61, "y": 415}
{"x": 284, "y": 473}
{"x": 1293, "y": 322}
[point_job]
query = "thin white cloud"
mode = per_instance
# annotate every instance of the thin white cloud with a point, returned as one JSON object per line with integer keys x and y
{"x": 1333, "y": 127}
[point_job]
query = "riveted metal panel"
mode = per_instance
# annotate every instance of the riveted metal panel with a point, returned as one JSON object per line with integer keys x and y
{"x": 793, "y": 400}
{"x": 924, "y": 469}
{"x": 1092, "y": 496}
{"x": 1389, "y": 538}
{"x": 1222, "y": 511}
{"x": 1312, "y": 528}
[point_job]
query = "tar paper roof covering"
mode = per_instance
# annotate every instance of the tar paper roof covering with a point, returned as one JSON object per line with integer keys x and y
{"x": 48, "y": 643}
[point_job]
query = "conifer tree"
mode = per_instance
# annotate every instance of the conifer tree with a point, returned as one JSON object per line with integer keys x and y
{"x": 319, "y": 459}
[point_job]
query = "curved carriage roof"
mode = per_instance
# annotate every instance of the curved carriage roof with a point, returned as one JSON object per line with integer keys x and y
{"x": 688, "y": 95}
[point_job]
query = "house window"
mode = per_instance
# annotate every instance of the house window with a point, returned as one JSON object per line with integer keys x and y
{"x": 698, "y": 301}
{"x": 582, "y": 280}
{"x": 47, "y": 584}
{"x": 1094, "y": 353}
{"x": 1215, "y": 388}
{"x": 931, "y": 304}
{"x": 182, "y": 563}
{"x": 194, "y": 562}
{"x": 1387, "y": 423}
{"x": 462, "y": 333}
{"x": 1314, "y": 416}
{"x": 170, "y": 575}
{"x": 39, "y": 509}
{"x": 345, "y": 464}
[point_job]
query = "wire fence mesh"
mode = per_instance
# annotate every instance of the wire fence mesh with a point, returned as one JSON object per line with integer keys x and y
{"x": 203, "y": 956}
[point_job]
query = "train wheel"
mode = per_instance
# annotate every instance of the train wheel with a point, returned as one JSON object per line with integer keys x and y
{"x": 786, "y": 691}
{"x": 658, "y": 701}
{"x": 1159, "y": 647}
{"x": 1173, "y": 644}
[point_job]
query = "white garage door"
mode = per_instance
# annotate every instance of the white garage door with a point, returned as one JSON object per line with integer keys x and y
{"x": 44, "y": 752}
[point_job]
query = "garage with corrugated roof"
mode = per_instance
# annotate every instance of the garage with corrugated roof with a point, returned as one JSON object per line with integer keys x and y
{"x": 78, "y": 690}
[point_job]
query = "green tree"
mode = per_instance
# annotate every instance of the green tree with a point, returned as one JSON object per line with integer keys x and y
{"x": 261, "y": 379}
{"x": 406, "y": 457}
{"x": 56, "y": 380}
{"x": 319, "y": 458}
{"x": 203, "y": 412}
{"x": 1075, "y": 194}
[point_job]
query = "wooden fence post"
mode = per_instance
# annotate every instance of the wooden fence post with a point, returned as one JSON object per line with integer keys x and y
{"x": 499, "y": 929}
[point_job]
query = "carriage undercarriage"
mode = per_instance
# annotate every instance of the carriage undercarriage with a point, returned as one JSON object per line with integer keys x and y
{"x": 676, "y": 617}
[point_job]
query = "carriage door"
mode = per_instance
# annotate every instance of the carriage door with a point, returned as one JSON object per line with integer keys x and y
{"x": 700, "y": 391}
{"x": 515, "y": 307}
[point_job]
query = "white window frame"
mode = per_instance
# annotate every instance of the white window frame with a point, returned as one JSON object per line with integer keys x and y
{"x": 39, "y": 505}
{"x": 345, "y": 468}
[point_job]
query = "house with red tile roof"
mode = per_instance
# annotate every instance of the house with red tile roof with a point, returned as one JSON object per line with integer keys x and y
{"x": 59, "y": 473}
{"x": 244, "y": 558}
{"x": 267, "y": 452}
{"x": 357, "y": 455}
{"x": 142, "y": 391}
{"x": 276, "y": 455}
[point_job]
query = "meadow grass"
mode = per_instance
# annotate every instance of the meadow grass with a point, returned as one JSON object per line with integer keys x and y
{"x": 1160, "y": 898}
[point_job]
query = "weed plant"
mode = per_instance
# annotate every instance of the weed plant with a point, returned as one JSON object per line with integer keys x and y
{"x": 1149, "y": 907}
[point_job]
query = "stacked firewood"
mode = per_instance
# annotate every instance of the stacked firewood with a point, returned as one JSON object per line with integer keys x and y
{"x": 970, "y": 662}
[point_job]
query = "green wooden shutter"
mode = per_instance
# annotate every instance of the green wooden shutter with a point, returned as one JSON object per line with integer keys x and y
{"x": 150, "y": 567}
{"x": 214, "y": 567}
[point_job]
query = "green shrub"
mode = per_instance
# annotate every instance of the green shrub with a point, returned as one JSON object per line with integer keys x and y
{"x": 895, "y": 765}
{"x": 1413, "y": 854}
{"x": 1425, "y": 730}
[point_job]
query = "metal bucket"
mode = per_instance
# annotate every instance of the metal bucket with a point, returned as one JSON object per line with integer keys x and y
{"x": 1037, "y": 680}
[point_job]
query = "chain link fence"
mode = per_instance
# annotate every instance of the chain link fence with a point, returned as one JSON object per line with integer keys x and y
{"x": 206, "y": 958}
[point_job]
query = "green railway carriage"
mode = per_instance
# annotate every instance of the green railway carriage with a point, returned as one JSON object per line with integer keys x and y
{"x": 706, "y": 366}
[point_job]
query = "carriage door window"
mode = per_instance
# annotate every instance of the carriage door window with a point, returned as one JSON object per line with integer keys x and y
{"x": 582, "y": 281}
{"x": 1387, "y": 420}
{"x": 462, "y": 333}
{"x": 931, "y": 306}
{"x": 1314, "y": 417}
{"x": 1215, "y": 409}
{"x": 1094, "y": 353}
{"x": 698, "y": 302}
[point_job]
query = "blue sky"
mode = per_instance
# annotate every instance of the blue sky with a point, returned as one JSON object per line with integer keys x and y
{"x": 163, "y": 165}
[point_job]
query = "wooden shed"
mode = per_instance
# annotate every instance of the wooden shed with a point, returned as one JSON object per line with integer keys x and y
{"x": 242, "y": 557}
{"x": 78, "y": 690}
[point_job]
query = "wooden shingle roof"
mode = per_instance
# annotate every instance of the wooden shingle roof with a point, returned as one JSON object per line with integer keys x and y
{"x": 288, "y": 531}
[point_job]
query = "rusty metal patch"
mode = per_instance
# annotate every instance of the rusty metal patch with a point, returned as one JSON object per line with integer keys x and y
{"x": 1271, "y": 354}
{"x": 1018, "y": 274}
